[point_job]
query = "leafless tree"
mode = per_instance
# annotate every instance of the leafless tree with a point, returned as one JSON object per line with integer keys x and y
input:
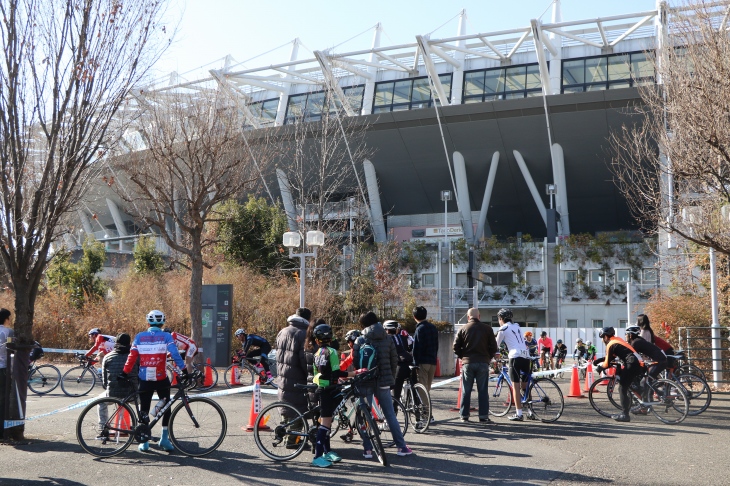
{"x": 194, "y": 159}
{"x": 673, "y": 164}
{"x": 67, "y": 66}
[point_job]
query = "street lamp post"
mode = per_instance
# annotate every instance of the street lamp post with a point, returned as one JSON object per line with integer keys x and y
{"x": 291, "y": 240}
{"x": 446, "y": 197}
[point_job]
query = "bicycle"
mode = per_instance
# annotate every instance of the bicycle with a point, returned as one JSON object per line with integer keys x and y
{"x": 80, "y": 380}
{"x": 546, "y": 361}
{"x": 417, "y": 402}
{"x": 202, "y": 368}
{"x": 665, "y": 398}
{"x": 582, "y": 364}
{"x": 542, "y": 396}
{"x": 342, "y": 419}
{"x": 686, "y": 367}
{"x": 197, "y": 425}
{"x": 559, "y": 362}
{"x": 246, "y": 372}
{"x": 282, "y": 432}
{"x": 44, "y": 378}
{"x": 694, "y": 386}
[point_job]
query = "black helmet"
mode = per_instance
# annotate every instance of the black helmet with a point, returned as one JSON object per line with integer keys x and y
{"x": 323, "y": 333}
{"x": 607, "y": 331}
{"x": 543, "y": 334}
{"x": 390, "y": 325}
{"x": 352, "y": 335}
{"x": 635, "y": 330}
{"x": 505, "y": 315}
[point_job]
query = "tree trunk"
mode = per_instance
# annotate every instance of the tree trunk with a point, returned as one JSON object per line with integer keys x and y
{"x": 24, "y": 340}
{"x": 196, "y": 290}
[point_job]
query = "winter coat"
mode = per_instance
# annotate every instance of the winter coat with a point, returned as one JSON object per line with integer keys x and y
{"x": 426, "y": 344}
{"x": 475, "y": 342}
{"x": 291, "y": 363}
{"x": 112, "y": 365}
{"x": 386, "y": 354}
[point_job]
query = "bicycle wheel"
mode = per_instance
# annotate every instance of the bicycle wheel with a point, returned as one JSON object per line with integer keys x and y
{"x": 501, "y": 400}
{"x": 418, "y": 407}
{"x": 364, "y": 420}
{"x": 668, "y": 401}
{"x": 698, "y": 392}
{"x": 245, "y": 376}
{"x": 341, "y": 421}
{"x": 44, "y": 379}
{"x": 198, "y": 427}
{"x": 601, "y": 396}
{"x": 688, "y": 368}
{"x": 106, "y": 438}
{"x": 281, "y": 432}
{"x": 78, "y": 381}
{"x": 205, "y": 368}
{"x": 546, "y": 400}
{"x": 386, "y": 436}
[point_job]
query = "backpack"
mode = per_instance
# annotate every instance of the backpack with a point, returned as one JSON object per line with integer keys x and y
{"x": 368, "y": 355}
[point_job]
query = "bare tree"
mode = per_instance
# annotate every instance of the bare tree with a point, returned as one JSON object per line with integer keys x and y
{"x": 673, "y": 164}
{"x": 67, "y": 66}
{"x": 195, "y": 158}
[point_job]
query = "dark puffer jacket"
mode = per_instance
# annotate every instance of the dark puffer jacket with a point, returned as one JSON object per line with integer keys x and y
{"x": 112, "y": 365}
{"x": 291, "y": 362}
{"x": 385, "y": 349}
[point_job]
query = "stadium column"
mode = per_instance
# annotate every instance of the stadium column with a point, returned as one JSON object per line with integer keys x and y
{"x": 284, "y": 95}
{"x": 369, "y": 94}
{"x": 457, "y": 82}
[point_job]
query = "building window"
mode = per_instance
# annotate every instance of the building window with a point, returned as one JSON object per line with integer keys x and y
{"x": 497, "y": 278}
{"x": 607, "y": 72}
{"x": 649, "y": 275}
{"x": 597, "y": 276}
{"x": 311, "y": 106}
{"x": 265, "y": 111}
{"x": 502, "y": 83}
{"x": 461, "y": 280}
{"x": 407, "y": 94}
{"x": 597, "y": 322}
{"x": 623, "y": 275}
{"x": 571, "y": 323}
{"x": 428, "y": 279}
{"x": 533, "y": 278}
{"x": 622, "y": 322}
{"x": 571, "y": 276}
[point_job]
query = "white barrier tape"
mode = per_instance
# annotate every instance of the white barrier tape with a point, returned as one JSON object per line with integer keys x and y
{"x": 444, "y": 382}
{"x": 13, "y": 423}
{"x": 64, "y": 409}
{"x": 230, "y": 391}
{"x": 67, "y": 351}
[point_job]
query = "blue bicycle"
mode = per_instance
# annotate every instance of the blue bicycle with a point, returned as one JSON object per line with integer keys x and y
{"x": 543, "y": 396}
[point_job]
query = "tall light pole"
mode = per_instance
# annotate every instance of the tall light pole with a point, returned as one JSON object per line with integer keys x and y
{"x": 291, "y": 240}
{"x": 446, "y": 197}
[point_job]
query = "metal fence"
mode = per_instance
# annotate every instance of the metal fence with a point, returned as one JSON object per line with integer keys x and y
{"x": 697, "y": 343}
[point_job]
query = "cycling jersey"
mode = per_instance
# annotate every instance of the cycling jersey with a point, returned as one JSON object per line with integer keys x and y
{"x": 663, "y": 345}
{"x": 560, "y": 350}
{"x": 580, "y": 350}
{"x": 511, "y": 334}
{"x": 326, "y": 367}
{"x": 151, "y": 347}
{"x": 532, "y": 346}
{"x": 102, "y": 344}
{"x": 185, "y": 345}
{"x": 590, "y": 352}
{"x": 254, "y": 341}
{"x": 545, "y": 344}
{"x": 618, "y": 348}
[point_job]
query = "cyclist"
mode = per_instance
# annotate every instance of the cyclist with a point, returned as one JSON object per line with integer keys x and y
{"x": 519, "y": 361}
{"x": 560, "y": 352}
{"x": 252, "y": 346}
{"x": 633, "y": 366}
{"x": 590, "y": 351}
{"x": 151, "y": 348}
{"x": 346, "y": 358}
{"x": 545, "y": 345}
{"x": 405, "y": 358}
{"x": 185, "y": 346}
{"x": 531, "y": 344}
{"x": 103, "y": 344}
{"x": 326, "y": 374}
{"x": 580, "y": 349}
{"x": 651, "y": 351}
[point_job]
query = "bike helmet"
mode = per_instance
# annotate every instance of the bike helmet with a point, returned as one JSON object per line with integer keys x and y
{"x": 578, "y": 341}
{"x": 240, "y": 332}
{"x": 156, "y": 318}
{"x": 560, "y": 341}
{"x": 635, "y": 330}
{"x": 352, "y": 335}
{"x": 391, "y": 325}
{"x": 607, "y": 331}
{"x": 505, "y": 315}
{"x": 96, "y": 330}
{"x": 528, "y": 335}
{"x": 323, "y": 333}
{"x": 588, "y": 343}
{"x": 543, "y": 334}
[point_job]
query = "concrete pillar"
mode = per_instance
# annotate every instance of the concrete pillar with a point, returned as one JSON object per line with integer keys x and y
{"x": 376, "y": 211}
{"x": 284, "y": 96}
{"x": 369, "y": 94}
{"x": 117, "y": 217}
{"x": 457, "y": 81}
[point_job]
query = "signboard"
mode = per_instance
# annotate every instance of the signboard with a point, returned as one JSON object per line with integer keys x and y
{"x": 452, "y": 231}
{"x": 217, "y": 323}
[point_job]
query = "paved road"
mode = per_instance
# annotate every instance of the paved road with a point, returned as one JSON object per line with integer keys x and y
{"x": 582, "y": 448}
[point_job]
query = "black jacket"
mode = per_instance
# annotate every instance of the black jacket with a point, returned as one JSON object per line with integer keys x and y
{"x": 291, "y": 363}
{"x": 426, "y": 344}
{"x": 385, "y": 349}
{"x": 475, "y": 342}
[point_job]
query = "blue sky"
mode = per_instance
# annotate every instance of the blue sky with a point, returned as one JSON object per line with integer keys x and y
{"x": 211, "y": 29}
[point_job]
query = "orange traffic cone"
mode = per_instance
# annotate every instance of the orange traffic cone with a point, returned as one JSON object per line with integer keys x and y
{"x": 255, "y": 409}
{"x": 123, "y": 422}
{"x": 458, "y": 398}
{"x": 575, "y": 384}
{"x": 208, "y": 375}
{"x": 589, "y": 377}
{"x": 458, "y": 367}
{"x": 438, "y": 368}
{"x": 234, "y": 375}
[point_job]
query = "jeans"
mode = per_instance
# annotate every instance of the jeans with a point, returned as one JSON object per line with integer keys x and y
{"x": 478, "y": 372}
{"x": 386, "y": 405}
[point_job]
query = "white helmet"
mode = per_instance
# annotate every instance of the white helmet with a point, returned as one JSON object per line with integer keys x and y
{"x": 156, "y": 318}
{"x": 579, "y": 340}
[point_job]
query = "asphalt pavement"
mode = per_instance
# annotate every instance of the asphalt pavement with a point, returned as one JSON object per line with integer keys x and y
{"x": 581, "y": 448}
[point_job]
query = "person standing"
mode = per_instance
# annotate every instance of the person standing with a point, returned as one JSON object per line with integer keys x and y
{"x": 6, "y": 334}
{"x": 291, "y": 362}
{"x": 519, "y": 361}
{"x": 425, "y": 347}
{"x": 111, "y": 367}
{"x": 475, "y": 345}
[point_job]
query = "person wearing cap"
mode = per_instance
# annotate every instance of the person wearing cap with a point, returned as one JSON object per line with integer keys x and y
{"x": 111, "y": 367}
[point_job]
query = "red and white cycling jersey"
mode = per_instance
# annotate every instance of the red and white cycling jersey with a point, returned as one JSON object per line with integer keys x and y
{"x": 185, "y": 345}
{"x": 151, "y": 347}
{"x": 102, "y": 344}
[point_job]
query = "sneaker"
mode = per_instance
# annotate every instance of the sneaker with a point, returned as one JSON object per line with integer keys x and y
{"x": 639, "y": 410}
{"x": 321, "y": 461}
{"x": 621, "y": 418}
{"x": 517, "y": 418}
{"x": 406, "y": 451}
{"x": 486, "y": 421}
{"x": 464, "y": 419}
{"x": 420, "y": 424}
{"x": 367, "y": 454}
{"x": 433, "y": 420}
{"x": 332, "y": 456}
{"x": 347, "y": 437}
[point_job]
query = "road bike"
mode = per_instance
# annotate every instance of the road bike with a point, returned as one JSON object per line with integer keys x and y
{"x": 197, "y": 425}
{"x": 542, "y": 396}
{"x": 203, "y": 368}
{"x": 282, "y": 432}
{"x": 694, "y": 386}
{"x": 243, "y": 372}
{"x": 44, "y": 378}
{"x": 559, "y": 363}
{"x": 417, "y": 402}
{"x": 342, "y": 419}
{"x": 665, "y": 399}
{"x": 80, "y": 380}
